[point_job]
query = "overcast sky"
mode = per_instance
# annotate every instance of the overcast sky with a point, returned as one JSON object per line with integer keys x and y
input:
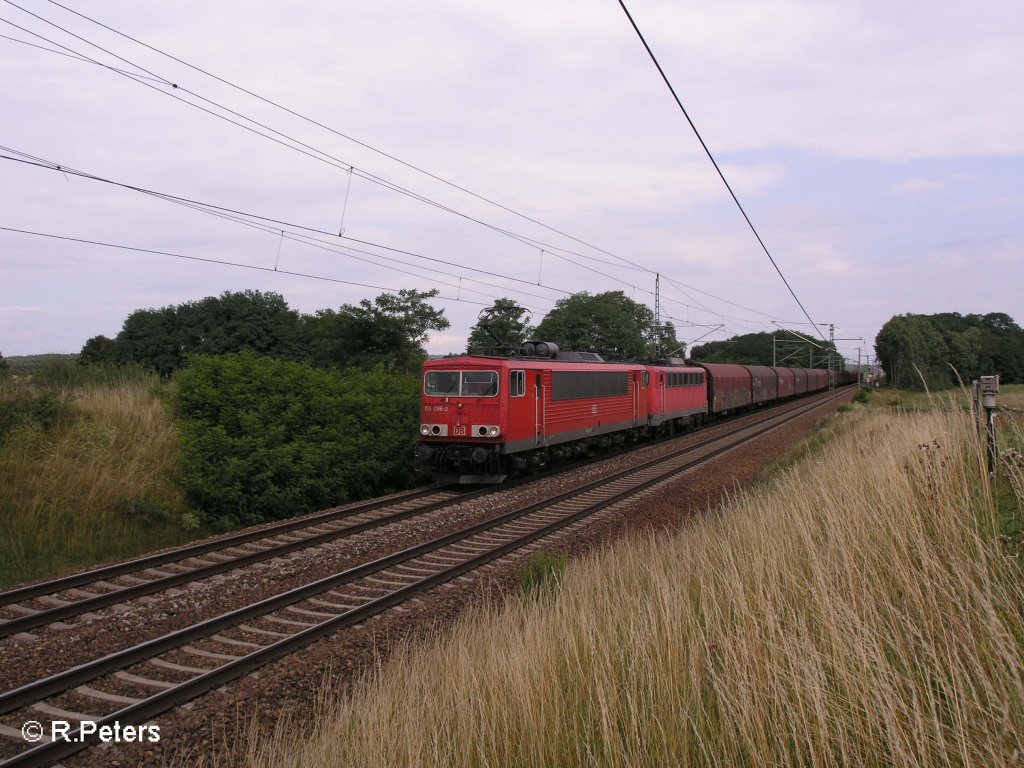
{"x": 878, "y": 148}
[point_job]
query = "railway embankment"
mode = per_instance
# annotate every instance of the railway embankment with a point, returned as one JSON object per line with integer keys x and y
{"x": 860, "y": 606}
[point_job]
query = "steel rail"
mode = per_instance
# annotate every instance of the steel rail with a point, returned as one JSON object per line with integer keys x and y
{"x": 161, "y": 702}
{"x": 25, "y": 623}
{"x": 194, "y": 550}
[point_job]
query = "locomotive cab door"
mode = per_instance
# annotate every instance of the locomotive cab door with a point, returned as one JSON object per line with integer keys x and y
{"x": 519, "y": 417}
{"x": 636, "y": 397}
{"x": 539, "y": 409}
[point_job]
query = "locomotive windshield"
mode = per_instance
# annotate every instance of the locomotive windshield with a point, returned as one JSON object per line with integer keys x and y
{"x": 440, "y": 383}
{"x": 461, "y": 383}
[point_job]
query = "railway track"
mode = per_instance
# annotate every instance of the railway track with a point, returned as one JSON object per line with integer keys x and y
{"x": 62, "y": 599}
{"x": 136, "y": 684}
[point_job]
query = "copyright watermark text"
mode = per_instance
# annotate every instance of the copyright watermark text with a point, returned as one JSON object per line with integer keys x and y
{"x": 114, "y": 733}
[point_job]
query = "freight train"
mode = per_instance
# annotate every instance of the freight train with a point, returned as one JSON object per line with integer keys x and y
{"x": 484, "y": 419}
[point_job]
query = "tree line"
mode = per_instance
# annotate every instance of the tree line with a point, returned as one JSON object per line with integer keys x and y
{"x": 784, "y": 347}
{"x": 938, "y": 351}
{"x": 389, "y": 331}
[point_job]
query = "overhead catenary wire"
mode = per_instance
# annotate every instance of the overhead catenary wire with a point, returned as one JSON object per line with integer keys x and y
{"x": 75, "y": 56}
{"x": 256, "y": 221}
{"x": 89, "y": 42}
{"x": 223, "y": 262}
{"x": 232, "y": 214}
{"x": 348, "y": 167}
{"x": 263, "y": 221}
{"x": 295, "y": 144}
{"x": 715, "y": 164}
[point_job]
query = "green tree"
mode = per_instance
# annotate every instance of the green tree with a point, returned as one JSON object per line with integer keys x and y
{"x": 234, "y": 321}
{"x": 670, "y": 345}
{"x": 610, "y": 323}
{"x": 100, "y": 350}
{"x": 1005, "y": 345}
{"x": 508, "y": 321}
{"x": 913, "y": 353}
{"x": 5, "y": 367}
{"x": 154, "y": 338}
{"x": 973, "y": 345}
{"x": 163, "y": 339}
{"x": 390, "y": 331}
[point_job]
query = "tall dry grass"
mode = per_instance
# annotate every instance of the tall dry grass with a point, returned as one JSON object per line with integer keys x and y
{"x": 855, "y": 611}
{"x": 99, "y": 485}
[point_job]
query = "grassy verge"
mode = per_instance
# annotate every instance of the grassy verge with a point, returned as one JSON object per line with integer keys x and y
{"x": 1010, "y": 398}
{"x": 858, "y": 610}
{"x": 86, "y": 475}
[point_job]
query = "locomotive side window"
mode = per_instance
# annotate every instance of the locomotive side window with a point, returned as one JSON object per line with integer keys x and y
{"x": 479, "y": 383}
{"x": 516, "y": 383}
{"x": 647, "y": 379}
{"x": 441, "y": 383}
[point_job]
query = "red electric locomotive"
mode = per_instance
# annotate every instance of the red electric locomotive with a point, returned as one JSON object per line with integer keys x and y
{"x": 677, "y": 397}
{"x": 484, "y": 418}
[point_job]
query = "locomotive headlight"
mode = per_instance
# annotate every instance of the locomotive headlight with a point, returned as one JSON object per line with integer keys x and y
{"x": 424, "y": 429}
{"x": 493, "y": 432}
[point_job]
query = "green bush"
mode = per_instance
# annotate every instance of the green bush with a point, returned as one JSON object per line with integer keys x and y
{"x": 863, "y": 397}
{"x": 42, "y": 411}
{"x": 266, "y": 439}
